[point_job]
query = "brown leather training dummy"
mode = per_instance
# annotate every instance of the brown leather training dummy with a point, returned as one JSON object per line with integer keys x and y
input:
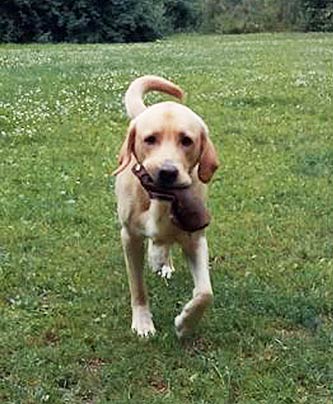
{"x": 187, "y": 211}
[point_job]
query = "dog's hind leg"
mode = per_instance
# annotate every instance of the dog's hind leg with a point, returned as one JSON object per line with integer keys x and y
{"x": 133, "y": 247}
{"x": 196, "y": 251}
{"x": 159, "y": 259}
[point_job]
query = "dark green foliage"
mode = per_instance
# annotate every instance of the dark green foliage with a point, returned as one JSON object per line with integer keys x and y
{"x": 318, "y": 15}
{"x": 183, "y": 15}
{"x": 81, "y": 20}
{"x": 238, "y": 16}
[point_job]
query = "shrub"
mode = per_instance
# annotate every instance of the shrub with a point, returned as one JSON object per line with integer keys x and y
{"x": 318, "y": 15}
{"x": 81, "y": 20}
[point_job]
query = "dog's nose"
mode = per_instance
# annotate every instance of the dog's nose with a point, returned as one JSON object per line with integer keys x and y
{"x": 167, "y": 174}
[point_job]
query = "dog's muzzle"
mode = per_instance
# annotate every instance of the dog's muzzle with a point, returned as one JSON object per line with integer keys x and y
{"x": 167, "y": 174}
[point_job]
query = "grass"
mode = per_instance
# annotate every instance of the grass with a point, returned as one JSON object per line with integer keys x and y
{"x": 65, "y": 315}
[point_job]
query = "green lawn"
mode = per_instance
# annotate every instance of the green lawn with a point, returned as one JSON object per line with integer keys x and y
{"x": 64, "y": 301}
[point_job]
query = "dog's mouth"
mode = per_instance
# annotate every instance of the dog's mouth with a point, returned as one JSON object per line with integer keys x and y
{"x": 152, "y": 184}
{"x": 187, "y": 211}
{"x": 170, "y": 187}
{"x": 167, "y": 177}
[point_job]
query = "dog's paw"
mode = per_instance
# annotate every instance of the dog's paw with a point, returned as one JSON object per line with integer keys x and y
{"x": 165, "y": 271}
{"x": 181, "y": 328}
{"x": 193, "y": 311}
{"x": 142, "y": 323}
{"x": 159, "y": 260}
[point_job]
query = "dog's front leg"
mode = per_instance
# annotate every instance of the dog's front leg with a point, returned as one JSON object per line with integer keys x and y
{"x": 133, "y": 247}
{"x": 197, "y": 252}
{"x": 159, "y": 259}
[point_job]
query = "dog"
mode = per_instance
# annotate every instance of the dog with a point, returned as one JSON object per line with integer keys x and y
{"x": 172, "y": 143}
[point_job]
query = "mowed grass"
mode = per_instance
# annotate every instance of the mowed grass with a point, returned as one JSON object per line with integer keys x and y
{"x": 65, "y": 313}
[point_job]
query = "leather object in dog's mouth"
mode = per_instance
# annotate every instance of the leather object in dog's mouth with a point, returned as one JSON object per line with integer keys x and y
{"x": 188, "y": 211}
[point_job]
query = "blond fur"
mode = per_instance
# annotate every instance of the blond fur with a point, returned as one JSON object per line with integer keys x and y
{"x": 142, "y": 217}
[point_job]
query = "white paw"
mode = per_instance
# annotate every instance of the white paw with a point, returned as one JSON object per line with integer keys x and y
{"x": 181, "y": 329}
{"x": 184, "y": 326}
{"x": 142, "y": 322}
{"x": 188, "y": 319}
{"x": 165, "y": 271}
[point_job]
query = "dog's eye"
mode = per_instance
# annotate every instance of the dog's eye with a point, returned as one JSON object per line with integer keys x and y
{"x": 186, "y": 141}
{"x": 150, "y": 139}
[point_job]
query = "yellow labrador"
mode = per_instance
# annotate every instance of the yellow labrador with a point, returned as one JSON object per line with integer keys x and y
{"x": 173, "y": 145}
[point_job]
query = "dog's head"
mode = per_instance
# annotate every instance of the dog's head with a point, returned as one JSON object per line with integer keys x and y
{"x": 170, "y": 140}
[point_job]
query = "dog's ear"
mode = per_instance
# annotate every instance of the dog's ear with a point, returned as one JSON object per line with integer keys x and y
{"x": 126, "y": 150}
{"x": 208, "y": 162}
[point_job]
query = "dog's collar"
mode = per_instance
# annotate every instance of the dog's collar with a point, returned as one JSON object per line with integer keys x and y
{"x": 187, "y": 210}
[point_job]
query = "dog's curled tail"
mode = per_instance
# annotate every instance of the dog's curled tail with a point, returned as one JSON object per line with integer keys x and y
{"x": 139, "y": 87}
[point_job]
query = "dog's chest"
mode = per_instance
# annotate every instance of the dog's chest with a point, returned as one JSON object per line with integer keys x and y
{"x": 158, "y": 225}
